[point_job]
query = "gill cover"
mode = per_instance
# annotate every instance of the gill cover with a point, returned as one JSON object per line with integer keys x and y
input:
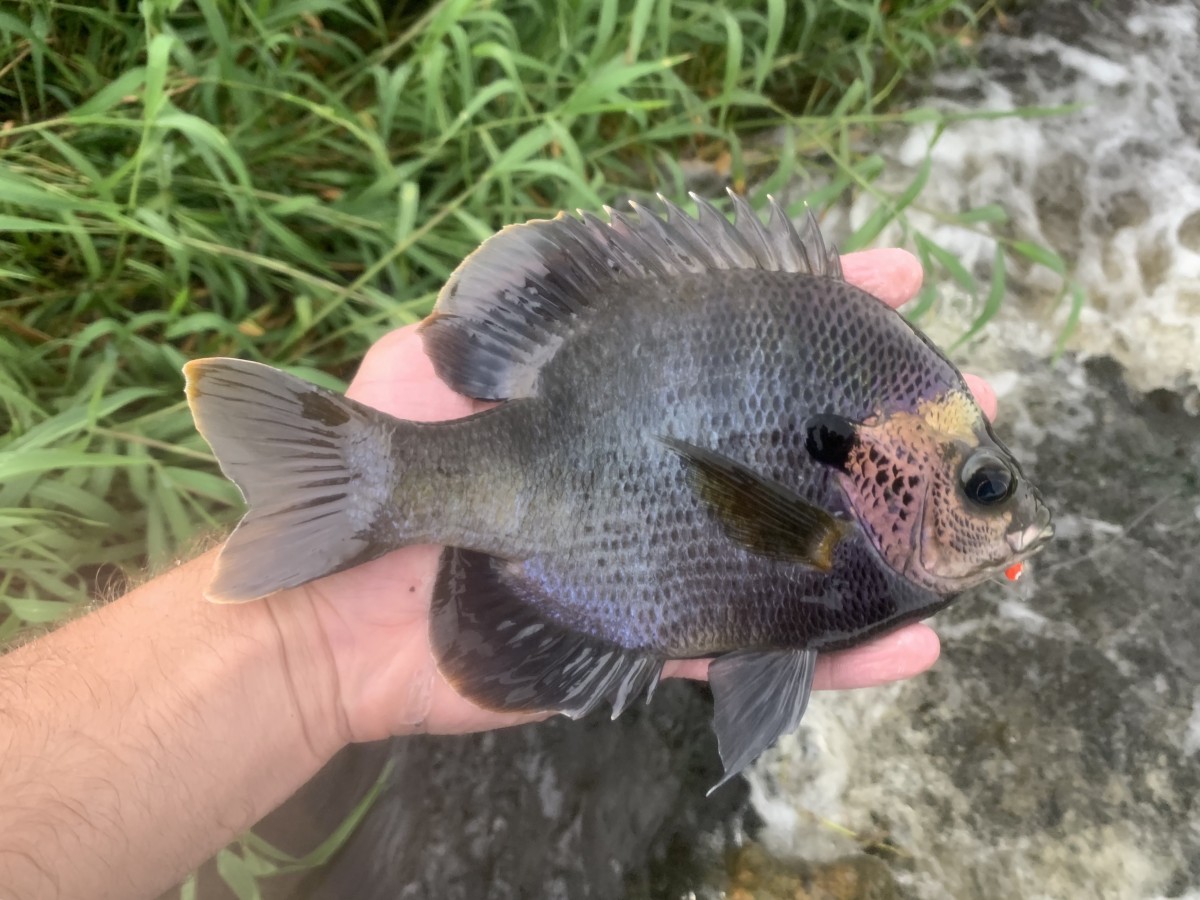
{"x": 941, "y": 499}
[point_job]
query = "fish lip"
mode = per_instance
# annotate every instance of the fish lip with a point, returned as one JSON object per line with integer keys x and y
{"x": 1024, "y": 543}
{"x": 1032, "y": 537}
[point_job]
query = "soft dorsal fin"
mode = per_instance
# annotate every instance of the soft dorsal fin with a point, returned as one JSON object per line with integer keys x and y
{"x": 507, "y": 307}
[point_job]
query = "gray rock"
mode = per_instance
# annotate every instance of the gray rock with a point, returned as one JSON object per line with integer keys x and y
{"x": 1113, "y": 186}
{"x": 561, "y": 809}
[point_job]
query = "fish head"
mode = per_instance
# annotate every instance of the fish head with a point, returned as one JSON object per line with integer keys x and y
{"x": 943, "y": 500}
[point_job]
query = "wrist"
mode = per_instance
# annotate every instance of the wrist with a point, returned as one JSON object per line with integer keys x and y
{"x": 157, "y": 704}
{"x": 267, "y": 651}
{"x": 307, "y": 671}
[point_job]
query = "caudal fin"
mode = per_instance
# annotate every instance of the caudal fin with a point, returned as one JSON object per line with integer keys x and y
{"x": 315, "y": 468}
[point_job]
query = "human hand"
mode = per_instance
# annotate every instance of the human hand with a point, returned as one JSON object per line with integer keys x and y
{"x": 374, "y": 618}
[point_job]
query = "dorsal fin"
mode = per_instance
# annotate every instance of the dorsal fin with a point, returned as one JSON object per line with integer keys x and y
{"x": 505, "y": 310}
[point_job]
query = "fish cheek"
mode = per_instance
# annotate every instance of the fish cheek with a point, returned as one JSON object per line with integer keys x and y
{"x": 885, "y": 481}
{"x": 959, "y": 543}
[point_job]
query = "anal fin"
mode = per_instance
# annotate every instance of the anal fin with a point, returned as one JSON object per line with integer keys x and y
{"x": 497, "y": 647}
{"x": 759, "y": 696}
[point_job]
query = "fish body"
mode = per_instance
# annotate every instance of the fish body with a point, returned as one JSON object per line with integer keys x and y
{"x": 585, "y": 487}
{"x": 709, "y": 444}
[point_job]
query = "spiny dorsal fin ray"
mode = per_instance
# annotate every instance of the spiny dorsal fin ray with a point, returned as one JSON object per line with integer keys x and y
{"x": 506, "y": 309}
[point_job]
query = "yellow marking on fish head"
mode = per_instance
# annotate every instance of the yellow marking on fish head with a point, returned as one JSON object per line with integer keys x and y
{"x": 954, "y": 414}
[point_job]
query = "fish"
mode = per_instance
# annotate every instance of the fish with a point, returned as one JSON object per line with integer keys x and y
{"x": 705, "y": 443}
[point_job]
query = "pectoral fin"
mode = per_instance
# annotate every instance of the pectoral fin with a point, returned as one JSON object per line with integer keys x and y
{"x": 758, "y": 696}
{"x": 758, "y": 513}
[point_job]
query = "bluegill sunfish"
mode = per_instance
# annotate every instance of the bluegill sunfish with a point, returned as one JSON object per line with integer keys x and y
{"x": 708, "y": 444}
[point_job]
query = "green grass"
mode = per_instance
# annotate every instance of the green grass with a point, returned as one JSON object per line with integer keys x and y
{"x": 285, "y": 181}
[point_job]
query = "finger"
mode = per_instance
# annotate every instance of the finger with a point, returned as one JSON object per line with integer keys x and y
{"x": 398, "y": 354}
{"x": 891, "y": 274}
{"x": 695, "y": 669}
{"x": 901, "y": 654}
{"x": 397, "y": 377}
{"x": 892, "y": 657}
{"x": 984, "y": 395}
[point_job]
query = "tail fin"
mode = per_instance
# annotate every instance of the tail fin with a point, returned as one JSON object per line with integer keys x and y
{"x": 315, "y": 468}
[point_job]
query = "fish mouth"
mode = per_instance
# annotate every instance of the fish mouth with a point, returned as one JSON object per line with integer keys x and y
{"x": 1022, "y": 542}
{"x": 1034, "y": 536}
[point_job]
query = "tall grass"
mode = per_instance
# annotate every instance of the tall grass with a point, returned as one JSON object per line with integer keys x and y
{"x": 285, "y": 181}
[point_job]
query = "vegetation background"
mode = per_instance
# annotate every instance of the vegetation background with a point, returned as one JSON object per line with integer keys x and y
{"x": 285, "y": 180}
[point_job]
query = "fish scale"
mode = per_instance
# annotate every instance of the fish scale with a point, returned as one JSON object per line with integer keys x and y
{"x": 694, "y": 600}
{"x": 707, "y": 443}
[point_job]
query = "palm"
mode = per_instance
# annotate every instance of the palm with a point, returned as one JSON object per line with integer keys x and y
{"x": 375, "y": 617}
{"x": 378, "y": 626}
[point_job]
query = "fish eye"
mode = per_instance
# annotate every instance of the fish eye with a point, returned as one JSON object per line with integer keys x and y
{"x": 986, "y": 479}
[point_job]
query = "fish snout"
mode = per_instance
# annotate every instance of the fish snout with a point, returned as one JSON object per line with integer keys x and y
{"x": 1034, "y": 535}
